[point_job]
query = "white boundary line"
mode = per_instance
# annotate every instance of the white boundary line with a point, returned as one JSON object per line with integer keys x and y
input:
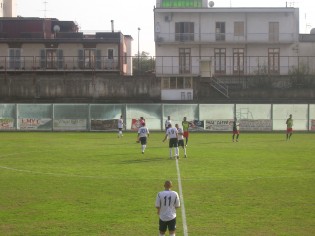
{"x": 123, "y": 178}
{"x": 182, "y": 200}
{"x": 71, "y": 175}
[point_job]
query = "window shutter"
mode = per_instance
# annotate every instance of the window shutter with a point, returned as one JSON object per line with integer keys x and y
{"x": 98, "y": 59}
{"x": 42, "y": 58}
{"x": 81, "y": 59}
{"x": 17, "y": 58}
{"x": 11, "y": 58}
{"x": 177, "y": 31}
{"x": 60, "y": 58}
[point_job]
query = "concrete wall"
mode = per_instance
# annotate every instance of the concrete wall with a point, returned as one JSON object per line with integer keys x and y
{"x": 259, "y": 90}
{"x": 77, "y": 87}
{"x": 103, "y": 88}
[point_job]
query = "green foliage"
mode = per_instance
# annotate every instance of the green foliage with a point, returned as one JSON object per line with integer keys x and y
{"x": 261, "y": 70}
{"x": 301, "y": 70}
{"x": 300, "y": 75}
{"x": 97, "y": 184}
{"x": 143, "y": 63}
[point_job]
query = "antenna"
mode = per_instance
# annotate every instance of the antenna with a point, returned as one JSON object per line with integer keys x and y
{"x": 307, "y": 24}
{"x": 291, "y": 4}
{"x": 45, "y": 8}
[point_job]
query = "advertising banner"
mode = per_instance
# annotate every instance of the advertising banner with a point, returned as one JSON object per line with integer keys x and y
{"x": 245, "y": 125}
{"x": 256, "y": 125}
{"x": 135, "y": 124}
{"x": 6, "y": 123}
{"x": 70, "y": 124}
{"x": 219, "y": 125}
{"x": 197, "y": 125}
{"x": 34, "y": 124}
{"x": 108, "y": 125}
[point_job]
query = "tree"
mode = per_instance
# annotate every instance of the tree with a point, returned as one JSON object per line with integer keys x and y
{"x": 143, "y": 63}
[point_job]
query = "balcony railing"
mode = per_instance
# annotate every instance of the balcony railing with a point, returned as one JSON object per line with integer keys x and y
{"x": 252, "y": 65}
{"x": 55, "y": 63}
{"x": 196, "y": 38}
{"x": 206, "y": 66}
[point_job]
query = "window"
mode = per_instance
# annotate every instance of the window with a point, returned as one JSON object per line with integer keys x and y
{"x": 239, "y": 28}
{"x": 89, "y": 58}
{"x": 273, "y": 60}
{"x": 188, "y": 83}
{"x": 51, "y": 58}
{"x": 173, "y": 84}
{"x": 220, "y": 31}
{"x": 15, "y": 58}
{"x": 274, "y": 31}
{"x": 165, "y": 83}
{"x": 219, "y": 60}
{"x": 176, "y": 83}
{"x": 110, "y": 53}
{"x": 238, "y": 60}
{"x": 184, "y": 60}
{"x": 184, "y": 31}
{"x": 111, "y": 62}
{"x": 180, "y": 83}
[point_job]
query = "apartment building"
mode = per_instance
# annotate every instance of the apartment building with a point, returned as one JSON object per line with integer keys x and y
{"x": 195, "y": 39}
{"x": 8, "y": 8}
{"x": 47, "y": 44}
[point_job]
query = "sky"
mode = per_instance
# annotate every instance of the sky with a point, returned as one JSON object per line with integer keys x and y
{"x": 128, "y": 16}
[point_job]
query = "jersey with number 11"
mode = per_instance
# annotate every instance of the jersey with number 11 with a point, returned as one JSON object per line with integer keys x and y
{"x": 167, "y": 201}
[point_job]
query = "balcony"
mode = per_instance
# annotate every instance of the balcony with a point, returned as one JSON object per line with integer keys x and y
{"x": 33, "y": 63}
{"x": 224, "y": 66}
{"x": 206, "y": 38}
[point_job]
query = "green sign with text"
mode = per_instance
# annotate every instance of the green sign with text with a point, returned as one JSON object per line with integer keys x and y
{"x": 181, "y": 3}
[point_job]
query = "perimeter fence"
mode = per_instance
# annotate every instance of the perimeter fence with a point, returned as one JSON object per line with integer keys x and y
{"x": 204, "y": 117}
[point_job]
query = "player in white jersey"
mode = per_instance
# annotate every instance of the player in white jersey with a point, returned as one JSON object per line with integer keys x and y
{"x": 143, "y": 134}
{"x": 168, "y": 122}
{"x": 166, "y": 203}
{"x": 181, "y": 138}
{"x": 172, "y": 134}
{"x": 120, "y": 126}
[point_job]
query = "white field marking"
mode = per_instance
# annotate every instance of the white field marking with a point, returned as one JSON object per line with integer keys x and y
{"x": 182, "y": 200}
{"x": 246, "y": 178}
{"x": 124, "y": 178}
{"x": 208, "y": 178}
{"x": 73, "y": 175}
{"x": 17, "y": 153}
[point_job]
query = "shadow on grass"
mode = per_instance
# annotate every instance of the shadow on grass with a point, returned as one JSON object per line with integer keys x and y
{"x": 143, "y": 160}
{"x": 244, "y": 141}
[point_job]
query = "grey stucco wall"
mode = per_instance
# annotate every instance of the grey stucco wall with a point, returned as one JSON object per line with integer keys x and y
{"x": 99, "y": 87}
{"x": 77, "y": 86}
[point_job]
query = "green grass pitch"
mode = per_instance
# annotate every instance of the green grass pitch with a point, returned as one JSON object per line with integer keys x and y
{"x": 76, "y": 183}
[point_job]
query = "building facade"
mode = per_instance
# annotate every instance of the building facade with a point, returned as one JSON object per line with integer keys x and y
{"x": 8, "y": 8}
{"x": 196, "y": 40}
{"x": 43, "y": 44}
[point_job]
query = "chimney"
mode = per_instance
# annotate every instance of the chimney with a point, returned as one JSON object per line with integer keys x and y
{"x": 112, "y": 22}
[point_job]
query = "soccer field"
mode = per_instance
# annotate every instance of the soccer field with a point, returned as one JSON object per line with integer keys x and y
{"x": 96, "y": 184}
